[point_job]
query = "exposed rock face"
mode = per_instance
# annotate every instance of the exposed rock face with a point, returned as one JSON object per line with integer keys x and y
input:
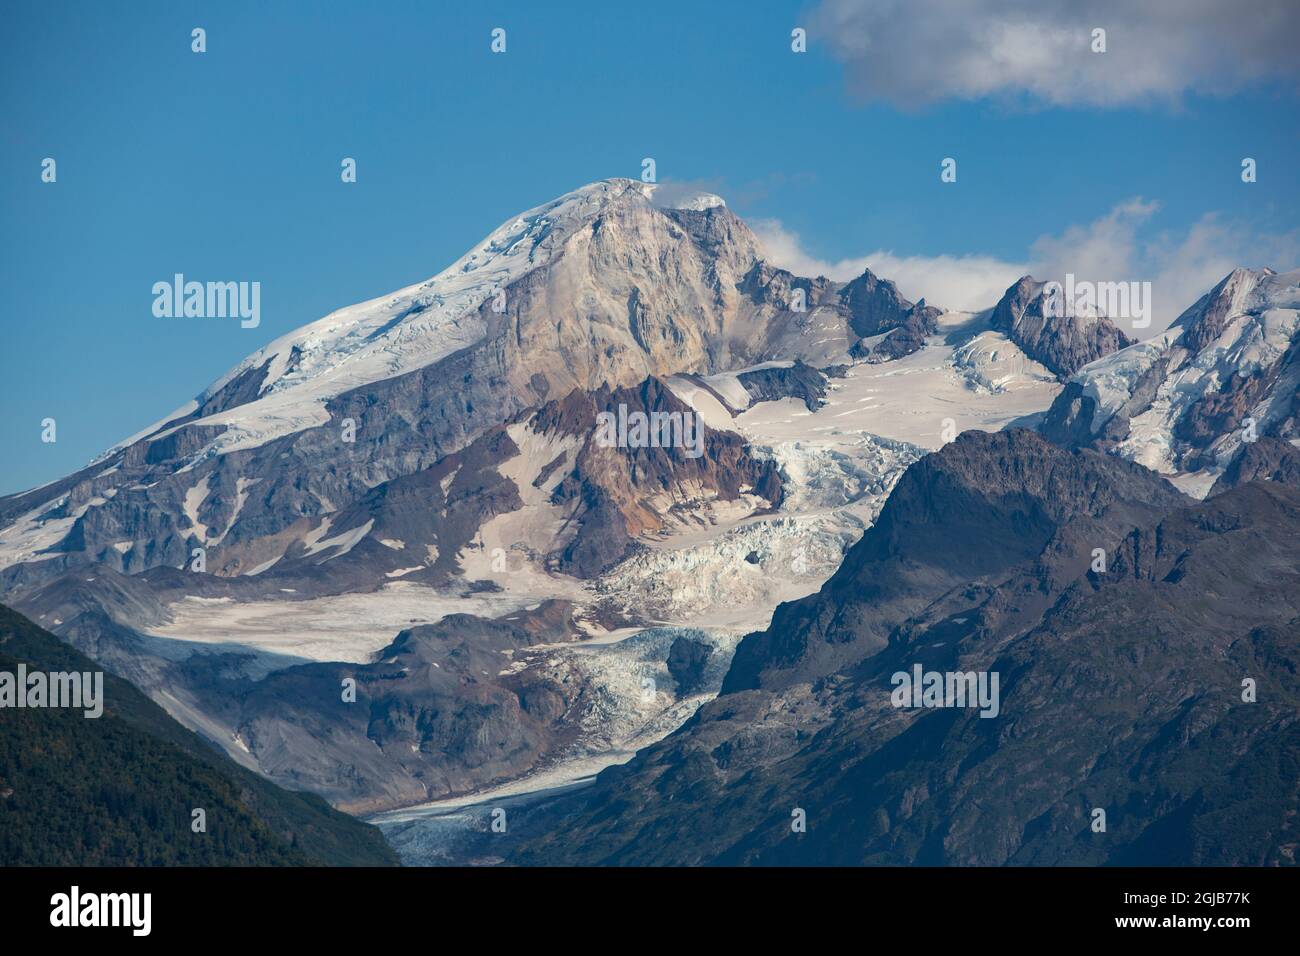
{"x": 687, "y": 660}
{"x": 1063, "y": 343}
{"x": 905, "y": 338}
{"x": 441, "y": 710}
{"x": 889, "y": 325}
{"x": 1189, "y": 401}
{"x": 434, "y": 715}
{"x": 875, "y": 305}
{"x": 424, "y": 436}
{"x": 773, "y": 383}
{"x": 1119, "y": 690}
{"x": 769, "y": 382}
{"x": 1069, "y": 420}
{"x": 621, "y": 493}
{"x": 1268, "y": 459}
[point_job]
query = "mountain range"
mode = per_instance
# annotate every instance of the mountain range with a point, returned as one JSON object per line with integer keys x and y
{"x": 413, "y": 494}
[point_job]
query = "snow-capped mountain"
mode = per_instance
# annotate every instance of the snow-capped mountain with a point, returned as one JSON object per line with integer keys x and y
{"x": 412, "y": 492}
{"x": 297, "y": 374}
{"x": 601, "y": 287}
{"x": 1188, "y": 402}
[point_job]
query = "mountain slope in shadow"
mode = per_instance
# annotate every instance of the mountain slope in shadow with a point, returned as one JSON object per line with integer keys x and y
{"x": 1121, "y": 690}
{"x": 120, "y": 789}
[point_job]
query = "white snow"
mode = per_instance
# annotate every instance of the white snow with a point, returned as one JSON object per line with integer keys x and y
{"x": 837, "y": 464}
{"x": 672, "y": 198}
{"x": 726, "y": 384}
{"x": 1110, "y": 380}
{"x": 402, "y": 572}
{"x": 711, "y": 411}
{"x": 345, "y": 627}
{"x": 264, "y": 566}
{"x": 30, "y": 533}
{"x": 311, "y": 540}
{"x": 709, "y": 582}
{"x": 992, "y": 362}
{"x": 194, "y": 498}
{"x": 344, "y": 541}
{"x": 1263, "y": 319}
{"x": 910, "y": 399}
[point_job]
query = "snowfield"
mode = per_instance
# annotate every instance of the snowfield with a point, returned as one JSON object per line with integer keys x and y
{"x": 343, "y": 627}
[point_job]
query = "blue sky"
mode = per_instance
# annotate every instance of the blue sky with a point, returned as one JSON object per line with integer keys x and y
{"x": 225, "y": 165}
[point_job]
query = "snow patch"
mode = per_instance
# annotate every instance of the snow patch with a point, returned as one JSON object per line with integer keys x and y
{"x": 194, "y": 498}
{"x": 345, "y": 541}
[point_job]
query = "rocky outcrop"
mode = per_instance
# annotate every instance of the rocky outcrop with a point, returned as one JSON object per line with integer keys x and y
{"x": 772, "y": 383}
{"x": 687, "y": 660}
{"x": 1268, "y": 459}
{"x": 1064, "y": 343}
{"x": 887, "y": 324}
{"x": 621, "y": 492}
{"x": 908, "y": 336}
{"x": 434, "y": 715}
{"x": 875, "y": 305}
{"x": 979, "y": 507}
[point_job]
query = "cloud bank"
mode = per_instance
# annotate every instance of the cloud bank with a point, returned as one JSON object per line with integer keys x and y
{"x": 915, "y": 52}
{"x": 1120, "y": 245}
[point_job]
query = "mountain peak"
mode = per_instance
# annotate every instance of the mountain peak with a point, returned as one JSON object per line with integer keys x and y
{"x": 1186, "y": 403}
{"x": 1242, "y": 292}
{"x": 1063, "y": 343}
{"x": 283, "y": 387}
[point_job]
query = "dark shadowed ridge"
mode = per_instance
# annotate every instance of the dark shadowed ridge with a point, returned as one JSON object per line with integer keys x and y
{"x": 118, "y": 790}
{"x": 1119, "y": 690}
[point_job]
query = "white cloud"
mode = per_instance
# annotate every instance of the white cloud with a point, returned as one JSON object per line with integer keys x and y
{"x": 1113, "y": 247}
{"x": 1104, "y": 248}
{"x": 1180, "y": 267}
{"x": 964, "y": 283}
{"x": 1185, "y": 268}
{"x": 785, "y": 249}
{"x": 913, "y": 52}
